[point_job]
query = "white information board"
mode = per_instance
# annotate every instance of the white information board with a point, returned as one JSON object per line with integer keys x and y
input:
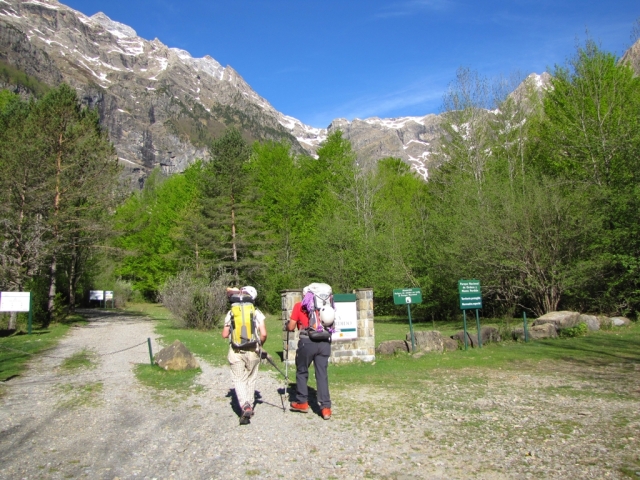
{"x": 108, "y": 295}
{"x": 15, "y": 301}
{"x": 96, "y": 295}
{"x": 346, "y": 323}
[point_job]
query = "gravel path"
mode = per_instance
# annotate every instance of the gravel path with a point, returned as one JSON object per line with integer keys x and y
{"x": 100, "y": 423}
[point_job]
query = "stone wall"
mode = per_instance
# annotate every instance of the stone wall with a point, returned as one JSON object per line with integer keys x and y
{"x": 362, "y": 348}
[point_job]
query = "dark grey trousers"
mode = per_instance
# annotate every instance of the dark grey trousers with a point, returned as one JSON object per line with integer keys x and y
{"x": 318, "y": 353}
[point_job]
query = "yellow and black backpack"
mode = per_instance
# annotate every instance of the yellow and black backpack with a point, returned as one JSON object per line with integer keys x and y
{"x": 243, "y": 334}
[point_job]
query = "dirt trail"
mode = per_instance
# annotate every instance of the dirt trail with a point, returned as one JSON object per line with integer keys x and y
{"x": 102, "y": 424}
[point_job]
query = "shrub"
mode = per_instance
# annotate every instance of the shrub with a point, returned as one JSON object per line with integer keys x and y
{"x": 579, "y": 330}
{"x": 122, "y": 293}
{"x": 195, "y": 302}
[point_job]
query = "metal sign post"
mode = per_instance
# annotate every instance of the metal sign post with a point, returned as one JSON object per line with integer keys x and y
{"x": 470, "y": 299}
{"x": 408, "y": 296}
{"x": 524, "y": 324}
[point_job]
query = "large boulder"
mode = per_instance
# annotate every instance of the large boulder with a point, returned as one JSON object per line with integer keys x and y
{"x": 176, "y": 357}
{"x": 450, "y": 344}
{"x": 489, "y": 334}
{"x": 604, "y": 321}
{"x": 390, "y": 347}
{"x": 472, "y": 340}
{"x": 427, "y": 341}
{"x": 620, "y": 321}
{"x": 591, "y": 321}
{"x": 560, "y": 320}
{"x": 545, "y": 330}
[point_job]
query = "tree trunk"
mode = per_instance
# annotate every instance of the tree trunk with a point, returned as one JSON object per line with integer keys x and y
{"x": 13, "y": 320}
{"x": 56, "y": 234}
{"x": 73, "y": 279}
{"x": 233, "y": 241}
{"x": 52, "y": 290}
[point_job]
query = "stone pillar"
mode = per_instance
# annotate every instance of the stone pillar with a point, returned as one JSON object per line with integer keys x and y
{"x": 366, "y": 332}
{"x": 288, "y": 299}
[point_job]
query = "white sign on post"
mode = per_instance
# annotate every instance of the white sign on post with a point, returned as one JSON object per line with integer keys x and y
{"x": 96, "y": 295}
{"x": 108, "y": 295}
{"x": 346, "y": 323}
{"x": 15, "y": 301}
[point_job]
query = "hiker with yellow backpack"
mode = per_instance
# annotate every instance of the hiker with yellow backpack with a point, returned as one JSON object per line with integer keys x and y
{"x": 245, "y": 328}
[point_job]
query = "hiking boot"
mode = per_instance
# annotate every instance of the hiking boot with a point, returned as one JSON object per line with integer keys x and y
{"x": 299, "y": 407}
{"x": 247, "y": 413}
{"x": 326, "y": 413}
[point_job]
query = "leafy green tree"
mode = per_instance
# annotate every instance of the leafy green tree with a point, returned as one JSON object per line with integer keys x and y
{"x": 282, "y": 198}
{"x": 147, "y": 223}
{"x": 494, "y": 215}
{"x": 333, "y": 250}
{"x": 6, "y": 96}
{"x": 590, "y": 140}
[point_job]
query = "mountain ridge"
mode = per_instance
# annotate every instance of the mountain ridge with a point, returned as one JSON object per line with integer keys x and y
{"x": 162, "y": 106}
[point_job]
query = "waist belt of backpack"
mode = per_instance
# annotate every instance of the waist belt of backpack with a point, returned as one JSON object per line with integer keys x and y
{"x": 244, "y": 349}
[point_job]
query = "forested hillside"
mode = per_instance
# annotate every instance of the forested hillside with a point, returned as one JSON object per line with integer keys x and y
{"x": 537, "y": 196}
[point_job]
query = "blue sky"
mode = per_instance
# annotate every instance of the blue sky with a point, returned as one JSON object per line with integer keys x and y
{"x": 319, "y": 60}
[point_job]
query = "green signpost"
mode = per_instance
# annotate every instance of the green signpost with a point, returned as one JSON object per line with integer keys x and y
{"x": 470, "y": 295}
{"x": 407, "y": 296}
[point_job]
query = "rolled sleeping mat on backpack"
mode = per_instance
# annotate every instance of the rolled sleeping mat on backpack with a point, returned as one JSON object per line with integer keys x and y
{"x": 241, "y": 295}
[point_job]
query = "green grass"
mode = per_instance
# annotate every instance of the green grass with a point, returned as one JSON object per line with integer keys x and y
{"x": 620, "y": 346}
{"x": 16, "y": 350}
{"x": 85, "y": 395}
{"x": 81, "y": 359}
{"x": 397, "y": 372}
{"x": 177, "y": 381}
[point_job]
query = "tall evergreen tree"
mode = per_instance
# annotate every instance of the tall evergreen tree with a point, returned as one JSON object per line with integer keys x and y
{"x": 61, "y": 172}
{"x": 236, "y": 236}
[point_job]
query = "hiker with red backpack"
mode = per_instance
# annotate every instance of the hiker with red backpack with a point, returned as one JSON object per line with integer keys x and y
{"x": 245, "y": 328}
{"x": 313, "y": 317}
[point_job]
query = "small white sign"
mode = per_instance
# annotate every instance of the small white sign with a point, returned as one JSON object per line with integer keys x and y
{"x": 108, "y": 295}
{"x": 96, "y": 295}
{"x": 346, "y": 323}
{"x": 15, "y": 301}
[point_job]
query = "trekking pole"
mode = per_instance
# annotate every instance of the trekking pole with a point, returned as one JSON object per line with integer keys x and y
{"x": 274, "y": 365}
{"x": 286, "y": 363}
{"x": 266, "y": 357}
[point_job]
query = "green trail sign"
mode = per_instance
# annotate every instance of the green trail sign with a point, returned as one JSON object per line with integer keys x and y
{"x": 470, "y": 294}
{"x": 470, "y": 299}
{"x": 405, "y": 296}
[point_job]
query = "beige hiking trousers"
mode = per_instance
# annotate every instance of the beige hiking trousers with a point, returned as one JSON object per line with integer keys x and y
{"x": 244, "y": 372}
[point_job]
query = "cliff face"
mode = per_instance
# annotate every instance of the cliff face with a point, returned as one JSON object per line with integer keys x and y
{"x": 160, "y": 105}
{"x": 632, "y": 57}
{"x": 411, "y": 139}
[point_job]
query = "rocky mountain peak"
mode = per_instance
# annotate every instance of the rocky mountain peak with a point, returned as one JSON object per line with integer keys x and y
{"x": 162, "y": 107}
